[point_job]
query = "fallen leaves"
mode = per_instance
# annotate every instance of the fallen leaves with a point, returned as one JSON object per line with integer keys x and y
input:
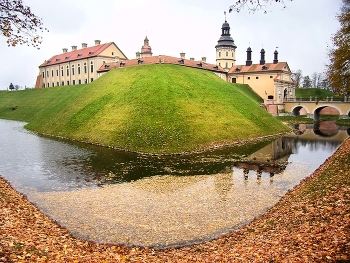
{"x": 309, "y": 224}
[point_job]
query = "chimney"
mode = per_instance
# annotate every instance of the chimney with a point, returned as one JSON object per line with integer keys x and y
{"x": 65, "y": 50}
{"x": 275, "y": 57}
{"x": 249, "y": 57}
{"x": 84, "y": 45}
{"x": 182, "y": 55}
{"x": 97, "y": 42}
{"x": 204, "y": 59}
{"x": 74, "y": 48}
{"x": 191, "y": 58}
{"x": 262, "y": 57}
{"x": 138, "y": 54}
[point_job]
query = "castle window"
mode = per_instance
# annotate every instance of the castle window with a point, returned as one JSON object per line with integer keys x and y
{"x": 43, "y": 85}
{"x": 85, "y": 69}
{"x": 79, "y": 81}
{"x": 232, "y": 54}
{"x": 73, "y": 81}
{"x": 248, "y": 77}
{"x": 85, "y": 81}
{"x": 257, "y": 77}
{"x": 62, "y": 83}
{"x": 271, "y": 77}
{"x": 92, "y": 67}
{"x": 62, "y": 71}
{"x": 53, "y": 84}
{"x": 226, "y": 65}
{"x": 57, "y": 73}
{"x": 219, "y": 54}
{"x": 67, "y": 72}
{"x": 92, "y": 79}
{"x": 51, "y": 73}
{"x": 47, "y": 73}
{"x": 48, "y": 84}
{"x": 68, "y": 82}
{"x": 58, "y": 83}
{"x": 226, "y": 54}
{"x": 43, "y": 74}
{"x": 73, "y": 70}
{"x": 78, "y": 69}
{"x": 112, "y": 53}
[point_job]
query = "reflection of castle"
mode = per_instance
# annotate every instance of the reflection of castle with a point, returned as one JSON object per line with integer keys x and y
{"x": 272, "y": 159}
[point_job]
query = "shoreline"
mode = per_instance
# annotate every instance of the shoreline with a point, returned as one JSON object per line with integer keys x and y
{"x": 304, "y": 226}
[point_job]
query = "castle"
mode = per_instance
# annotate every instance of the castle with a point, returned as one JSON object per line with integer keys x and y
{"x": 271, "y": 81}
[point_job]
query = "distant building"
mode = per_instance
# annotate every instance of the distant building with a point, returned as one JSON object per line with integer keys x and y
{"x": 78, "y": 66}
{"x": 272, "y": 81}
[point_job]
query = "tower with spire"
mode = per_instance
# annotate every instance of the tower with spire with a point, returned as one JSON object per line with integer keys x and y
{"x": 226, "y": 48}
{"x": 146, "y": 50}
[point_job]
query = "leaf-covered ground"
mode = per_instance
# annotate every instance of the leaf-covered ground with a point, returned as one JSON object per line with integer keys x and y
{"x": 309, "y": 224}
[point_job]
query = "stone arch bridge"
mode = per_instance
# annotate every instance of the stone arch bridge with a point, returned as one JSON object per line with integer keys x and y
{"x": 313, "y": 107}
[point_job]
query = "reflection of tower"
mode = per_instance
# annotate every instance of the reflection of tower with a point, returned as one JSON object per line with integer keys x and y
{"x": 223, "y": 185}
{"x": 226, "y": 48}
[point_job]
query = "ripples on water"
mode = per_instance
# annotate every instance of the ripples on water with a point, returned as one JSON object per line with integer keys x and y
{"x": 111, "y": 196}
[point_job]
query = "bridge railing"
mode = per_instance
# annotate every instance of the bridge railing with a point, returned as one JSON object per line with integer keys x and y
{"x": 316, "y": 99}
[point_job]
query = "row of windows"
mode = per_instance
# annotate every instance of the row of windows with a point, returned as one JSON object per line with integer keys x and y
{"x": 226, "y": 54}
{"x": 68, "y": 83}
{"x": 226, "y": 64}
{"x": 257, "y": 77}
{"x": 68, "y": 71}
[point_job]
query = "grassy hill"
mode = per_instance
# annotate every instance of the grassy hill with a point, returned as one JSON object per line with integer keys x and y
{"x": 313, "y": 92}
{"x": 148, "y": 108}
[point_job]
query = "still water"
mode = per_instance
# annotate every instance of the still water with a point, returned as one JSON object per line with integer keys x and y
{"x": 118, "y": 197}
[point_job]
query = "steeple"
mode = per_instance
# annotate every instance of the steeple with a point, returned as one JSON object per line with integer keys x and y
{"x": 146, "y": 50}
{"x": 226, "y": 48}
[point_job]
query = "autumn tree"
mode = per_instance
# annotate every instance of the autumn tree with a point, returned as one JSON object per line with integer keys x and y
{"x": 19, "y": 25}
{"x": 307, "y": 82}
{"x": 254, "y": 5}
{"x": 297, "y": 77}
{"x": 338, "y": 71}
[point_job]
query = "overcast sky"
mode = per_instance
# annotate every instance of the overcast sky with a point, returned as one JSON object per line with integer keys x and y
{"x": 301, "y": 31}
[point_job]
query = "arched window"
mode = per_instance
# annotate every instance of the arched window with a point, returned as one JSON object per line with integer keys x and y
{"x": 92, "y": 67}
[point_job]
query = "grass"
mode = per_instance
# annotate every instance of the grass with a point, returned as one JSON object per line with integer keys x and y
{"x": 313, "y": 92}
{"x": 148, "y": 108}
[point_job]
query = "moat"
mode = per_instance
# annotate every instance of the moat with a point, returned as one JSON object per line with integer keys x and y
{"x": 117, "y": 197}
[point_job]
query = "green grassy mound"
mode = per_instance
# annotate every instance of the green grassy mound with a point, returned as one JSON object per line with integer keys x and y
{"x": 313, "y": 92}
{"x": 148, "y": 108}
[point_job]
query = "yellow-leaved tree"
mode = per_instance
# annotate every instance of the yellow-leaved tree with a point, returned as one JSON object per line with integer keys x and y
{"x": 338, "y": 70}
{"x": 19, "y": 25}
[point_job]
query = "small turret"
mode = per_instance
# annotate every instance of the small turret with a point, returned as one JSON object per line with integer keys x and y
{"x": 262, "y": 57}
{"x": 249, "y": 57}
{"x": 275, "y": 57}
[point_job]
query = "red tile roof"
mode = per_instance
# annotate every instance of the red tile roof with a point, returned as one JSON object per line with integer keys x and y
{"x": 161, "y": 60}
{"x": 87, "y": 52}
{"x": 258, "y": 68}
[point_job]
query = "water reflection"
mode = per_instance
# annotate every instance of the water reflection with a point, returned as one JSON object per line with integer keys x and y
{"x": 49, "y": 165}
{"x": 118, "y": 197}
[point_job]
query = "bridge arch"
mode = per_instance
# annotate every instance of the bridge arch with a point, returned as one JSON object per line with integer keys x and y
{"x": 320, "y": 108}
{"x": 296, "y": 110}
